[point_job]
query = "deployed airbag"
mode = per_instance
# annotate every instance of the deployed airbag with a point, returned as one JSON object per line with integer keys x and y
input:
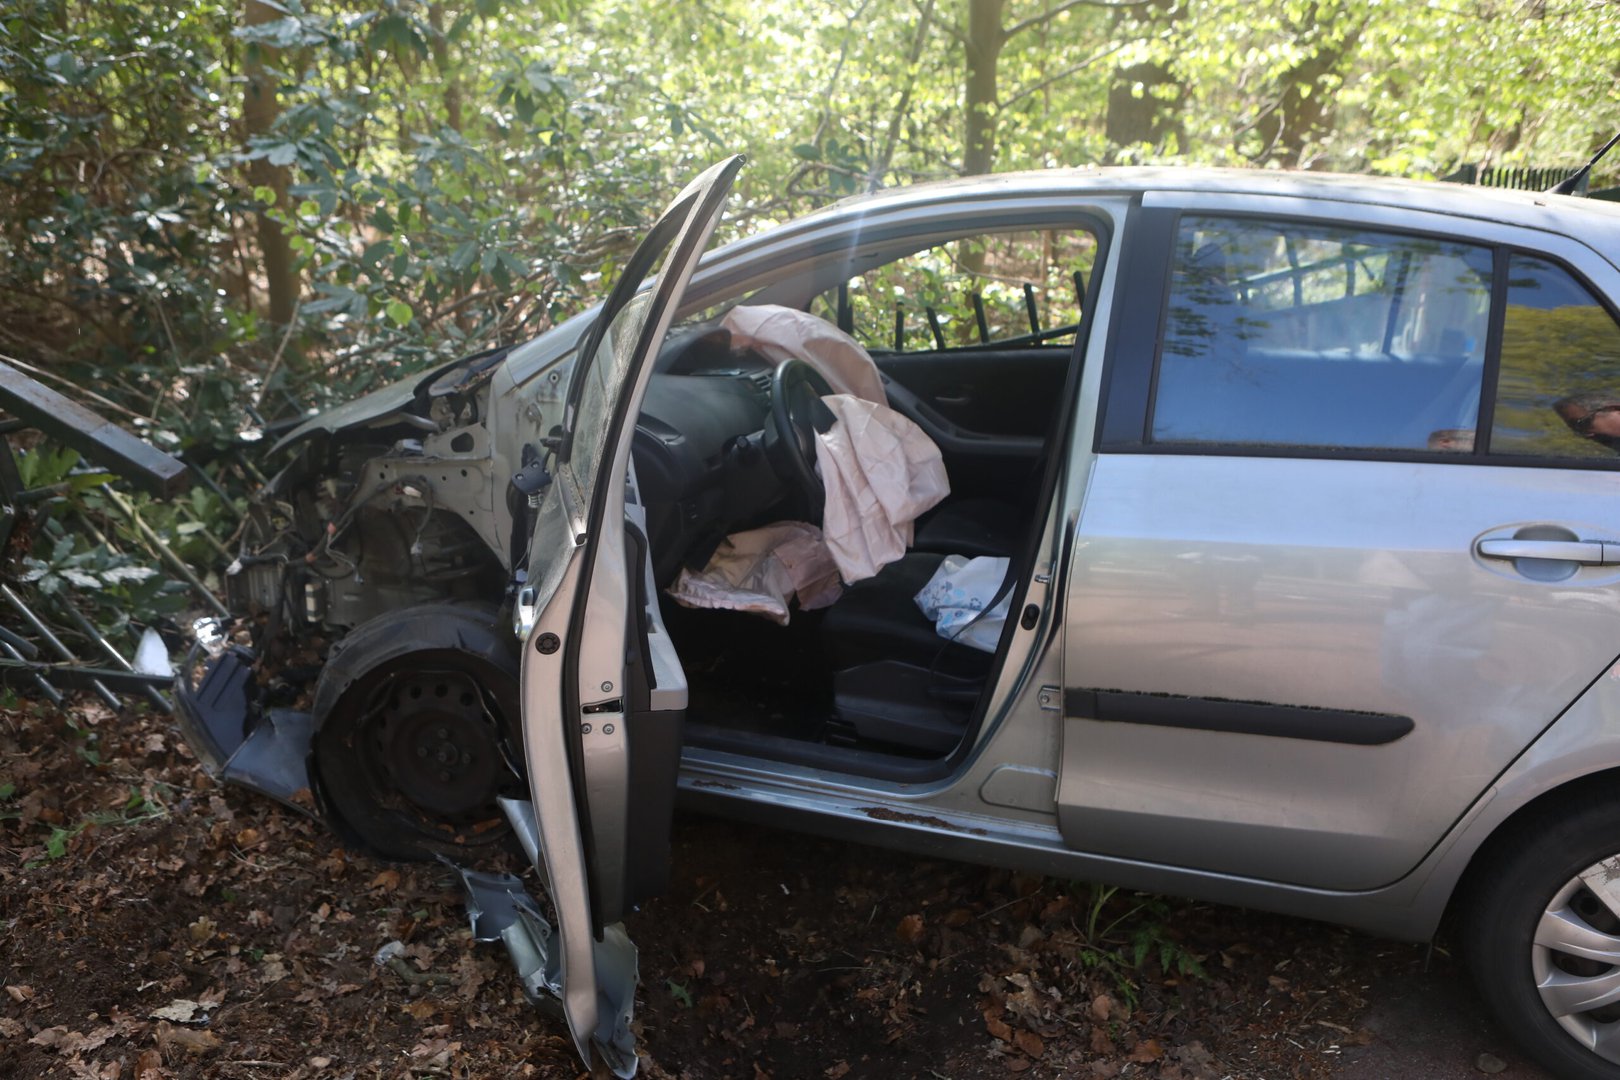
{"x": 781, "y": 333}
{"x": 881, "y": 472}
{"x": 760, "y": 570}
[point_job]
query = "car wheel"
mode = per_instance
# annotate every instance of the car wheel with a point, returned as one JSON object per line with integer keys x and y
{"x": 416, "y": 715}
{"x": 1543, "y": 939}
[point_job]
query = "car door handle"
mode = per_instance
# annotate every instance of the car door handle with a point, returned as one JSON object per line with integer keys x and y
{"x": 1585, "y": 552}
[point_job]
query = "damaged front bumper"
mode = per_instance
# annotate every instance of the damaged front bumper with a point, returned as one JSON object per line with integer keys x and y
{"x": 266, "y": 752}
{"x": 269, "y": 751}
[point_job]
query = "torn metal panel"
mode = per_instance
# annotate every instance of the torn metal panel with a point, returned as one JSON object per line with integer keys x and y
{"x": 500, "y": 909}
{"x": 274, "y": 759}
{"x": 266, "y": 753}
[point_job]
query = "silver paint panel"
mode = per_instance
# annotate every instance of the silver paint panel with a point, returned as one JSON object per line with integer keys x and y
{"x": 1335, "y": 584}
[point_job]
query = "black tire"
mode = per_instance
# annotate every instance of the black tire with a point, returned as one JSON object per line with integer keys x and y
{"x": 1539, "y": 862}
{"x": 417, "y": 715}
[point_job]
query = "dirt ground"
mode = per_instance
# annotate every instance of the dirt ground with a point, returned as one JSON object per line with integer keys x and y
{"x": 153, "y": 925}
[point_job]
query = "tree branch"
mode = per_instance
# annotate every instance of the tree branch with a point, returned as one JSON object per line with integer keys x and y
{"x": 1048, "y": 16}
{"x": 880, "y": 165}
{"x": 1060, "y": 76}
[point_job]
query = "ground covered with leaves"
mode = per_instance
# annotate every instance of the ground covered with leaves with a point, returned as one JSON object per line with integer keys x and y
{"x": 154, "y": 925}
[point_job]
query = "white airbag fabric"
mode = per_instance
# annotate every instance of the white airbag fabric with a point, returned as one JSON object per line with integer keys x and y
{"x": 955, "y": 598}
{"x": 881, "y": 472}
{"x": 781, "y": 333}
{"x": 760, "y": 570}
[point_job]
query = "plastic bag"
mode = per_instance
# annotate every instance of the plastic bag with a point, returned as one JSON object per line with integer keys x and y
{"x": 955, "y": 598}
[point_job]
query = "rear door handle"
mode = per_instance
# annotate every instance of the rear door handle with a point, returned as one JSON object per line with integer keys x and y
{"x": 1585, "y": 552}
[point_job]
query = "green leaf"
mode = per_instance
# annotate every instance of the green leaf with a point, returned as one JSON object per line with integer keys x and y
{"x": 464, "y": 255}
{"x": 399, "y": 312}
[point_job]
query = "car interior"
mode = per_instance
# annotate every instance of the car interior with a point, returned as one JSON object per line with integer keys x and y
{"x": 974, "y": 340}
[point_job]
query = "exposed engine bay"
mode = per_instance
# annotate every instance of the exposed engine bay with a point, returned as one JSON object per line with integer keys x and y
{"x": 369, "y": 521}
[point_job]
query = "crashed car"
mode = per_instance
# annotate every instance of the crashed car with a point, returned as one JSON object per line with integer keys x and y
{"x": 1289, "y": 507}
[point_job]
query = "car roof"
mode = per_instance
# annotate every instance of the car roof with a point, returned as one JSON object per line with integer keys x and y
{"x": 1595, "y": 221}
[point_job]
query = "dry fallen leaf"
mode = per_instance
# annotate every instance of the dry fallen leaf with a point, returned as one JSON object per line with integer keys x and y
{"x": 1030, "y": 1043}
{"x": 149, "y": 1066}
{"x": 1147, "y": 1050}
{"x": 387, "y": 881}
{"x": 202, "y": 929}
{"x": 910, "y": 929}
{"x": 192, "y": 1041}
{"x": 182, "y": 1011}
{"x": 836, "y": 1071}
{"x": 20, "y": 993}
{"x": 998, "y": 1028}
{"x": 1101, "y": 1006}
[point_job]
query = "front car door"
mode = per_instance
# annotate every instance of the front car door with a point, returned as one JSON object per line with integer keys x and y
{"x": 603, "y": 694}
{"x": 1339, "y": 559}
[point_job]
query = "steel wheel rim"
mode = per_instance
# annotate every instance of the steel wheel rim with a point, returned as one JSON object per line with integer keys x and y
{"x": 1575, "y": 958}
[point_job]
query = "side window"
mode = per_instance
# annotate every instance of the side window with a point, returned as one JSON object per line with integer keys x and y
{"x": 1295, "y": 334}
{"x": 975, "y": 291}
{"x": 1558, "y": 393}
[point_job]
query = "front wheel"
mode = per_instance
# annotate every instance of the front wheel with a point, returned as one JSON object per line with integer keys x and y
{"x": 417, "y": 715}
{"x": 1542, "y": 933}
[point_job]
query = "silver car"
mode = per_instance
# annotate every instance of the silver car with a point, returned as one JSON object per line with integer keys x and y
{"x": 1305, "y": 489}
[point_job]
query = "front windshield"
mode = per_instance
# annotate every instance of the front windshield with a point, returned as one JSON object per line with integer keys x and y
{"x": 602, "y": 374}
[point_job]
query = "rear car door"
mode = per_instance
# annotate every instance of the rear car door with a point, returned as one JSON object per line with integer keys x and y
{"x": 1341, "y": 554}
{"x": 603, "y": 695}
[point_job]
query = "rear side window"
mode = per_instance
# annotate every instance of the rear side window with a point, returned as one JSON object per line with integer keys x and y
{"x": 1295, "y": 334}
{"x": 1558, "y": 394}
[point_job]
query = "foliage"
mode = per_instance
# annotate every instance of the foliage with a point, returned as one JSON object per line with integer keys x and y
{"x": 1122, "y": 932}
{"x": 457, "y": 173}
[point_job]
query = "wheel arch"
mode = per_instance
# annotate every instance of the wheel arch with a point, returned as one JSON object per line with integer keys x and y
{"x": 1523, "y": 821}
{"x": 1572, "y": 763}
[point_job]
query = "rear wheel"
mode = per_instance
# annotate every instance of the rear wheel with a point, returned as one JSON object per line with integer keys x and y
{"x": 417, "y": 714}
{"x": 1543, "y": 939}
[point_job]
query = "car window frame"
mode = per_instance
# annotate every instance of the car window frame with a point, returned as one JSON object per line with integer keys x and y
{"x": 1132, "y": 360}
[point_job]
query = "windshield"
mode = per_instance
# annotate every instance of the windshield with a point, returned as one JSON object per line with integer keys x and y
{"x": 601, "y": 374}
{"x": 636, "y": 311}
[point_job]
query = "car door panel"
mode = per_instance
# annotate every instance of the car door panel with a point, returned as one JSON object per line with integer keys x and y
{"x": 1306, "y": 584}
{"x": 988, "y": 410}
{"x": 602, "y": 749}
{"x": 991, "y": 391}
{"x": 1292, "y": 665}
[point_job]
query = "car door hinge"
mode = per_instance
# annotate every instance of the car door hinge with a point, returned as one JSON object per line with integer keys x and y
{"x": 1050, "y": 698}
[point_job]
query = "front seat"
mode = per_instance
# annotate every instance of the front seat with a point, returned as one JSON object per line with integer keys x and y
{"x": 972, "y": 527}
{"x": 878, "y": 619}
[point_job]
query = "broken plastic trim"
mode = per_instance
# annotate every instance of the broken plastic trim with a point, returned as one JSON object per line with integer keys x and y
{"x": 500, "y": 909}
{"x": 269, "y": 755}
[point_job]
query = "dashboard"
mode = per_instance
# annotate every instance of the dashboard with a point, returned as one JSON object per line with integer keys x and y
{"x": 701, "y": 469}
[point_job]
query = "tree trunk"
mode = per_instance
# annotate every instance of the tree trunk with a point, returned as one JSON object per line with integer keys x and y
{"x": 1304, "y": 104}
{"x": 259, "y": 111}
{"x": 1150, "y": 115}
{"x": 447, "y": 72}
{"x": 983, "y": 48}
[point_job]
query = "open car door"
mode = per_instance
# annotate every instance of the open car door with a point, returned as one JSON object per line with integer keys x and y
{"x": 603, "y": 693}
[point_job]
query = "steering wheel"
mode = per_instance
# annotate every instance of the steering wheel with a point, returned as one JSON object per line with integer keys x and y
{"x": 797, "y": 414}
